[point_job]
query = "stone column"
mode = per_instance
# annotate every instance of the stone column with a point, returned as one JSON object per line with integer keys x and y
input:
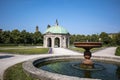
{"x": 60, "y": 41}
{"x": 68, "y": 42}
{"x": 53, "y": 42}
{"x": 45, "y": 41}
{"x": 64, "y": 41}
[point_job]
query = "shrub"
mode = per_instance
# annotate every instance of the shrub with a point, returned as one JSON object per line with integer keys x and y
{"x": 117, "y": 51}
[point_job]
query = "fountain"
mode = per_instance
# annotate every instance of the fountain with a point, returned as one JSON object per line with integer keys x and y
{"x": 87, "y": 63}
{"x": 73, "y": 67}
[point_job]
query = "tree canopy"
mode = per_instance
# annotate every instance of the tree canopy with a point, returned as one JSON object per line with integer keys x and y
{"x": 20, "y": 37}
{"x": 23, "y": 37}
{"x": 102, "y": 37}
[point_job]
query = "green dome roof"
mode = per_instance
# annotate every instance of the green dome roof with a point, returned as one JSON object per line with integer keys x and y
{"x": 57, "y": 30}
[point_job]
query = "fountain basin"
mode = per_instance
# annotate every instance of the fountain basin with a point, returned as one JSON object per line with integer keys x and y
{"x": 87, "y": 45}
{"x": 87, "y": 63}
{"x": 29, "y": 67}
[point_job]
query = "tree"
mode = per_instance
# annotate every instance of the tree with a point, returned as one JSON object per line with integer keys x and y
{"x": 117, "y": 38}
{"x": 16, "y": 36}
{"x": 88, "y": 38}
{"x": 6, "y": 37}
{"x": 77, "y": 38}
{"x": 94, "y": 38}
{"x": 1, "y": 41}
{"x": 26, "y": 37}
{"x": 83, "y": 38}
{"x": 105, "y": 38}
{"x": 23, "y": 36}
{"x": 72, "y": 39}
{"x": 37, "y": 37}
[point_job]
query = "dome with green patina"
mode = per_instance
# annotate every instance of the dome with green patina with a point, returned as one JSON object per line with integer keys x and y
{"x": 56, "y": 30}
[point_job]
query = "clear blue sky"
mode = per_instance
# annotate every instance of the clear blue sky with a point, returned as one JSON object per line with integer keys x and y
{"x": 77, "y": 16}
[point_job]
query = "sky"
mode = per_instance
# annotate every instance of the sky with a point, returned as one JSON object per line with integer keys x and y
{"x": 77, "y": 16}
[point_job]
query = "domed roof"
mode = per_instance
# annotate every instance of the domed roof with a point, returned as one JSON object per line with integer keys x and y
{"x": 56, "y": 29}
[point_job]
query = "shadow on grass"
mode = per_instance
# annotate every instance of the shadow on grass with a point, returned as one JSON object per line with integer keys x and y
{"x": 5, "y": 56}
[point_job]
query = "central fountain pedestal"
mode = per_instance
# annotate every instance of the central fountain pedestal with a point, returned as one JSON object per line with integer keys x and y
{"x": 87, "y": 62}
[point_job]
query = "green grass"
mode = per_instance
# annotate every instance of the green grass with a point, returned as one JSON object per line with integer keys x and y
{"x": 26, "y": 51}
{"x": 117, "y": 53}
{"x": 20, "y": 46}
{"x": 96, "y": 49}
{"x": 5, "y": 47}
{"x": 78, "y": 49}
{"x": 82, "y": 50}
{"x": 16, "y": 73}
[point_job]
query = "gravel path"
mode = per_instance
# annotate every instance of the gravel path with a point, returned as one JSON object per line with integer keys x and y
{"x": 110, "y": 51}
{"x": 7, "y": 60}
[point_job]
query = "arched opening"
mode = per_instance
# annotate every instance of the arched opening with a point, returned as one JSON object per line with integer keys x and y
{"x": 49, "y": 42}
{"x": 57, "y": 42}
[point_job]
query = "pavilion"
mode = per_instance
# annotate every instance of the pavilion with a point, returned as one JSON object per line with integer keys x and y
{"x": 56, "y": 37}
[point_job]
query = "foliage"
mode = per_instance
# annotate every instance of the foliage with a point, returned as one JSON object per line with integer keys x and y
{"x": 102, "y": 37}
{"x": 117, "y": 39}
{"x": 21, "y": 44}
{"x": 16, "y": 73}
{"x": 105, "y": 38}
{"x": 5, "y": 37}
{"x": 26, "y": 51}
{"x": 83, "y": 38}
{"x": 117, "y": 51}
{"x": 23, "y": 37}
{"x": 15, "y": 36}
{"x": 82, "y": 50}
{"x": 37, "y": 37}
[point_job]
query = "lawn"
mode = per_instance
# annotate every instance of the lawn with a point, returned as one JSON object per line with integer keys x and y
{"x": 16, "y": 73}
{"x": 78, "y": 49}
{"x": 26, "y": 50}
{"x": 82, "y": 50}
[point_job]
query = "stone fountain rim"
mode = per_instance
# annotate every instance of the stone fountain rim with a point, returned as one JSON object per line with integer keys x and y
{"x": 87, "y": 42}
{"x": 31, "y": 70}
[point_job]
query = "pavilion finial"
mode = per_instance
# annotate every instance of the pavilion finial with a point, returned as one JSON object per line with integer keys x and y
{"x": 56, "y": 22}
